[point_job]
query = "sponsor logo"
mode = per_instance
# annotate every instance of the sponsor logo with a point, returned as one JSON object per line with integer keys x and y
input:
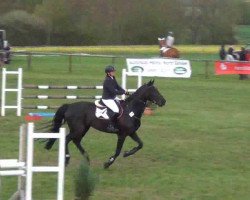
{"x": 137, "y": 69}
{"x": 223, "y": 66}
{"x": 180, "y": 70}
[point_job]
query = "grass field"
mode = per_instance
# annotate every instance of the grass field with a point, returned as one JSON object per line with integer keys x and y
{"x": 195, "y": 148}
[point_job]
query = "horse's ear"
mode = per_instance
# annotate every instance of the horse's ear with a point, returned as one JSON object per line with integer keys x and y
{"x": 151, "y": 82}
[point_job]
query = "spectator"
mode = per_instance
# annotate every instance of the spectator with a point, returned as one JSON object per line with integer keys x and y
{"x": 242, "y": 57}
{"x": 222, "y": 52}
{"x": 230, "y": 54}
{"x": 242, "y": 54}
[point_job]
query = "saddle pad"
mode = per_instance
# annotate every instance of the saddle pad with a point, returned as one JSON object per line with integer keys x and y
{"x": 101, "y": 113}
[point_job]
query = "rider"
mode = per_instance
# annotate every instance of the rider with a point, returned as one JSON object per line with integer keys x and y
{"x": 170, "y": 40}
{"x": 110, "y": 89}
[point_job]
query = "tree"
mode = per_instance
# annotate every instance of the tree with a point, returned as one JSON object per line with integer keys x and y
{"x": 245, "y": 13}
{"x": 212, "y": 21}
{"x": 19, "y": 25}
{"x": 92, "y": 22}
{"x": 56, "y": 16}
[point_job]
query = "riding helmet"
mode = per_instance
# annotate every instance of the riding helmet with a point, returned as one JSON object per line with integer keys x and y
{"x": 109, "y": 69}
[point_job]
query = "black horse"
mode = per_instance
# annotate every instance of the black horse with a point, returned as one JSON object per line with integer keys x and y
{"x": 80, "y": 116}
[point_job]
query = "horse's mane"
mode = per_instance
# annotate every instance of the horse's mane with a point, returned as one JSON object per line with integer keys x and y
{"x": 139, "y": 91}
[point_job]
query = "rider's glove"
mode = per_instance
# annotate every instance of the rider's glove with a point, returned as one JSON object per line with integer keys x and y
{"x": 126, "y": 93}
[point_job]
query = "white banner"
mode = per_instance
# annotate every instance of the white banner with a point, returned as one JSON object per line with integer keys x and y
{"x": 160, "y": 67}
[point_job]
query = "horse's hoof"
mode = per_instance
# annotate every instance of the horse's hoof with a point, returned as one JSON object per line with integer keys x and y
{"x": 126, "y": 154}
{"x": 86, "y": 158}
{"x": 67, "y": 159}
{"x": 106, "y": 165}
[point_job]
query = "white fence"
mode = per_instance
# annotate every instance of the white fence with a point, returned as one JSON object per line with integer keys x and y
{"x": 18, "y": 90}
{"x": 14, "y": 167}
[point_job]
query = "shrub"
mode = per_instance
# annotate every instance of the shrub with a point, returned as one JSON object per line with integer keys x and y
{"x": 85, "y": 182}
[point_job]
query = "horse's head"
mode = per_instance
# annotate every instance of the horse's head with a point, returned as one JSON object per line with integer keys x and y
{"x": 152, "y": 94}
{"x": 148, "y": 92}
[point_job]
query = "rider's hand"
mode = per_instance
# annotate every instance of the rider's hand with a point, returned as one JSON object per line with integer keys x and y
{"x": 126, "y": 93}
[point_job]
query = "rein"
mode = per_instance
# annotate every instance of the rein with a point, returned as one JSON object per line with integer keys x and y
{"x": 138, "y": 118}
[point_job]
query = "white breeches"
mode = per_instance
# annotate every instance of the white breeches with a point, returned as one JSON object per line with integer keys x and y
{"x": 169, "y": 41}
{"x": 110, "y": 103}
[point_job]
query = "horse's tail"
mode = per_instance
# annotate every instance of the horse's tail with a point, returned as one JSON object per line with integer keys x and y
{"x": 57, "y": 122}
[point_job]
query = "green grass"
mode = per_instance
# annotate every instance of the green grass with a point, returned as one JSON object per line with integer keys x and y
{"x": 196, "y": 147}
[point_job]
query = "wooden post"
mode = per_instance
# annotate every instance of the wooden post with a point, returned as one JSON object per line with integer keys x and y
{"x": 206, "y": 69}
{"x": 113, "y": 60}
{"x": 70, "y": 63}
{"x": 29, "y": 61}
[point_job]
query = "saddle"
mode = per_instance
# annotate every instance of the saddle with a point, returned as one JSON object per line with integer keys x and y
{"x": 103, "y": 112}
{"x": 164, "y": 49}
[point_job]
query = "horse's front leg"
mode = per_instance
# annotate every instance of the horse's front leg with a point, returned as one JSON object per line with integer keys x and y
{"x": 136, "y": 138}
{"x": 119, "y": 145}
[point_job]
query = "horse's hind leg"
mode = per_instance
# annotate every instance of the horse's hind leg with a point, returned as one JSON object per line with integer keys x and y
{"x": 67, "y": 155}
{"x": 77, "y": 142}
{"x": 136, "y": 138}
{"x": 81, "y": 149}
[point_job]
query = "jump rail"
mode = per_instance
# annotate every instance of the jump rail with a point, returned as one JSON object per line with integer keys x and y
{"x": 60, "y": 97}
{"x": 68, "y": 87}
{"x": 20, "y": 87}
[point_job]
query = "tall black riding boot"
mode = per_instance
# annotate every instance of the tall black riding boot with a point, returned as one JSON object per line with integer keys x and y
{"x": 112, "y": 125}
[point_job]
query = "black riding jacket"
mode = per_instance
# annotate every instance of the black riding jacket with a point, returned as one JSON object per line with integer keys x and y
{"x": 111, "y": 88}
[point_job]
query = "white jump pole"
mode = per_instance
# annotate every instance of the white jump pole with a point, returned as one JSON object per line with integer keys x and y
{"x": 3, "y": 96}
{"x": 21, "y": 179}
{"x": 139, "y": 80}
{"x": 30, "y": 168}
{"x": 124, "y": 80}
{"x": 19, "y": 91}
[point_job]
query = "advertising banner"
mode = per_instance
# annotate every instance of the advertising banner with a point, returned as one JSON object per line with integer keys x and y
{"x": 160, "y": 67}
{"x": 222, "y": 67}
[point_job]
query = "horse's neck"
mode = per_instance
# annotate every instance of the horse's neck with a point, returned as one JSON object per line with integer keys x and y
{"x": 137, "y": 106}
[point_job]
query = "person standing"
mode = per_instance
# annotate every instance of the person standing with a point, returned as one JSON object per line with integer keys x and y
{"x": 230, "y": 54}
{"x": 242, "y": 54}
{"x": 222, "y": 52}
{"x": 242, "y": 57}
